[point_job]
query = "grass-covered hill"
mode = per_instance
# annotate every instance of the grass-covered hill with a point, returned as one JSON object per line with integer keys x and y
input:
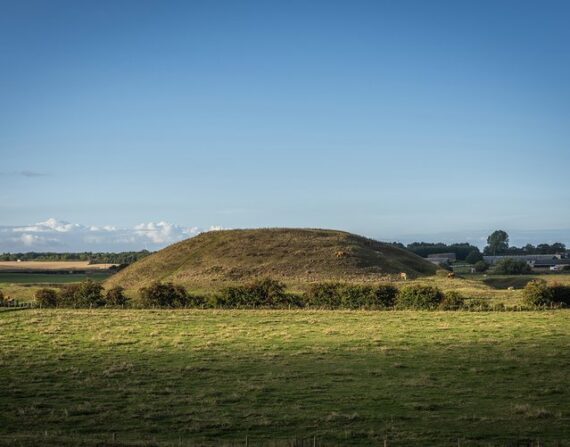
{"x": 291, "y": 255}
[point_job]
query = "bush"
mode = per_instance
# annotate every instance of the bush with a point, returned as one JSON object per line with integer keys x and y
{"x": 369, "y": 297}
{"x": 46, "y": 298}
{"x": 260, "y": 293}
{"x": 537, "y": 293}
{"x": 351, "y": 296}
{"x": 452, "y": 301}
{"x": 327, "y": 295}
{"x": 116, "y": 297}
{"x": 385, "y": 295}
{"x": 168, "y": 295}
{"x": 560, "y": 294}
{"x": 511, "y": 266}
{"x": 419, "y": 297}
{"x": 85, "y": 294}
{"x": 481, "y": 266}
{"x": 2, "y": 299}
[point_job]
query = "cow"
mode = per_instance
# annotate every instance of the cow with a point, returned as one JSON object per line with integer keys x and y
{"x": 403, "y": 276}
{"x": 451, "y": 275}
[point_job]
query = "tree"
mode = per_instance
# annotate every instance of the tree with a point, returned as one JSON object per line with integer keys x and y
{"x": 85, "y": 294}
{"x": 510, "y": 266}
{"x": 163, "y": 295}
{"x": 497, "y": 242}
{"x": 481, "y": 266}
{"x": 537, "y": 293}
{"x": 474, "y": 256}
{"x": 116, "y": 297}
{"x": 46, "y": 297}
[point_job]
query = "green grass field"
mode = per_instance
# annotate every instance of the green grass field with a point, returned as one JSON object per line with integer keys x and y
{"x": 349, "y": 378}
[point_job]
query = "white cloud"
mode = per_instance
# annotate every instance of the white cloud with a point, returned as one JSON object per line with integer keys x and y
{"x": 57, "y": 235}
{"x": 30, "y": 239}
{"x": 164, "y": 232}
{"x": 50, "y": 225}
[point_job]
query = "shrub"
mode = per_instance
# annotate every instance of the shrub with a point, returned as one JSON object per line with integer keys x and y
{"x": 511, "y": 266}
{"x": 452, "y": 301}
{"x": 85, "y": 294}
{"x": 260, "y": 293}
{"x": 481, "y": 266}
{"x": 167, "y": 295}
{"x": 351, "y": 296}
{"x": 46, "y": 297}
{"x": 365, "y": 296}
{"x": 326, "y": 294}
{"x": 66, "y": 295}
{"x": 537, "y": 293}
{"x": 385, "y": 295}
{"x": 560, "y": 294}
{"x": 2, "y": 299}
{"x": 419, "y": 297}
{"x": 116, "y": 297}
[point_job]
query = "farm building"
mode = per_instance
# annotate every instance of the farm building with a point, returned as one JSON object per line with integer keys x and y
{"x": 442, "y": 258}
{"x": 535, "y": 261}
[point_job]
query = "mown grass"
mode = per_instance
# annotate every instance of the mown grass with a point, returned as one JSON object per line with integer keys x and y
{"x": 211, "y": 377}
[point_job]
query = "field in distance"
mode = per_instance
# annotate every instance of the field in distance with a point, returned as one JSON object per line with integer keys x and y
{"x": 20, "y": 280}
{"x": 30, "y": 266}
{"x": 191, "y": 377}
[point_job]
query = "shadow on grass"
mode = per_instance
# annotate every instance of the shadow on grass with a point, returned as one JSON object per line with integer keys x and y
{"x": 504, "y": 282}
{"x": 487, "y": 393}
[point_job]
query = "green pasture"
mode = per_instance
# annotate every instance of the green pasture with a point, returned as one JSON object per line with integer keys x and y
{"x": 213, "y": 377}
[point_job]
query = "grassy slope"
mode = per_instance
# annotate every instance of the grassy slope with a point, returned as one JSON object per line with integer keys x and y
{"x": 351, "y": 378}
{"x": 290, "y": 254}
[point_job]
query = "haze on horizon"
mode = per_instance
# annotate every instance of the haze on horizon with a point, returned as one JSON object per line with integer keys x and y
{"x": 438, "y": 120}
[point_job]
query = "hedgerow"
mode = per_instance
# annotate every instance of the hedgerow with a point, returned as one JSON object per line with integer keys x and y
{"x": 419, "y": 297}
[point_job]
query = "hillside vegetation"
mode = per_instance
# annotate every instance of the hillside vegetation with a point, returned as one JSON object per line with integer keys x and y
{"x": 296, "y": 255}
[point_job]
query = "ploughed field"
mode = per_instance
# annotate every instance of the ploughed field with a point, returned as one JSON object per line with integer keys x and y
{"x": 213, "y": 377}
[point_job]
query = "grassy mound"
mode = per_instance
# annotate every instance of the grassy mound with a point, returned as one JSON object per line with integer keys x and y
{"x": 291, "y": 255}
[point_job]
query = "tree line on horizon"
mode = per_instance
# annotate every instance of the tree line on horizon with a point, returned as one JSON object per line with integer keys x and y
{"x": 125, "y": 257}
{"x": 497, "y": 245}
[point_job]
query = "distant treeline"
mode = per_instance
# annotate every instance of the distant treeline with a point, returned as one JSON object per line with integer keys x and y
{"x": 423, "y": 249}
{"x": 126, "y": 257}
{"x": 529, "y": 249}
{"x": 463, "y": 250}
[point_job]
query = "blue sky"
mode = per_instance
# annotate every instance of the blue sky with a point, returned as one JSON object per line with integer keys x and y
{"x": 392, "y": 119}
